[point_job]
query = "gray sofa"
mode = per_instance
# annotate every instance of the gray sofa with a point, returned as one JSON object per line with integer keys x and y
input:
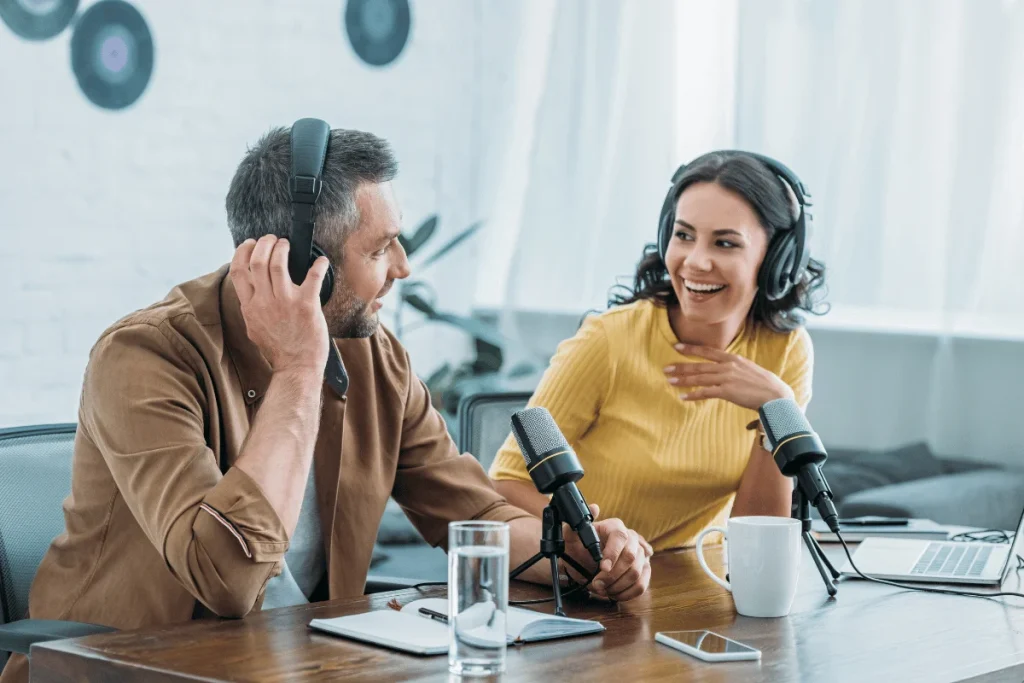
{"x": 401, "y": 551}
{"x": 911, "y": 481}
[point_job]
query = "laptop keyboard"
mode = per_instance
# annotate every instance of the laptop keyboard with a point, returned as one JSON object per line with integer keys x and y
{"x": 953, "y": 559}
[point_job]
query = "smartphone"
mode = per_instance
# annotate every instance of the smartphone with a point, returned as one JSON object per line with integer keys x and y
{"x": 707, "y": 645}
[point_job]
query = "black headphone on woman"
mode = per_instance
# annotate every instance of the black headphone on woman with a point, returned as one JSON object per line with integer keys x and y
{"x": 309, "y": 138}
{"x": 789, "y": 251}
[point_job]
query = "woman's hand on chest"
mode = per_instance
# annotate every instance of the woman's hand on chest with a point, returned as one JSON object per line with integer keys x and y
{"x": 725, "y": 376}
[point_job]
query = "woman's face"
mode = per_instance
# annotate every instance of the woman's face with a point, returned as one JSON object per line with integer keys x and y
{"x": 713, "y": 257}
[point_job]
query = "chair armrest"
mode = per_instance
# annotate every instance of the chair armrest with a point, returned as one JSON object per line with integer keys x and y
{"x": 18, "y": 636}
{"x": 380, "y": 584}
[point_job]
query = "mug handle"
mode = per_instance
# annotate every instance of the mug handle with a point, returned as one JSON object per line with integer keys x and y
{"x": 700, "y": 556}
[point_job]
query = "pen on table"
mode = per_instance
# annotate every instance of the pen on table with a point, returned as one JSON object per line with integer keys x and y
{"x": 436, "y": 616}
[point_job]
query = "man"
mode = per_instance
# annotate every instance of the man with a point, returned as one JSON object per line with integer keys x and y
{"x": 216, "y": 474}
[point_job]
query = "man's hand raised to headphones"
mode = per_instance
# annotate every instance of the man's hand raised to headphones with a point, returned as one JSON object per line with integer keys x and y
{"x": 283, "y": 319}
{"x": 287, "y": 325}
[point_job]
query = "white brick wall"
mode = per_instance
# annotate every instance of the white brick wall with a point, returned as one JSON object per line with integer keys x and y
{"x": 103, "y": 212}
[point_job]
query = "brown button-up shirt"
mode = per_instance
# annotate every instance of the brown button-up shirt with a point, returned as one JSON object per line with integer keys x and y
{"x": 158, "y": 518}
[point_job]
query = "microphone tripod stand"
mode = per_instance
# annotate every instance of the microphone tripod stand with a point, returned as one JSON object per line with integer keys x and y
{"x": 552, "y": 546}
{"x": 802, "y": 510}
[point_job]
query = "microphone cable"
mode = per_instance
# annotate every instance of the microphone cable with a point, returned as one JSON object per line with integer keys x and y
{"x": 576, "y": 587}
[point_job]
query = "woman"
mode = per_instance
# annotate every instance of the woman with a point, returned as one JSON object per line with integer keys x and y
{"x": 658, "y": 395}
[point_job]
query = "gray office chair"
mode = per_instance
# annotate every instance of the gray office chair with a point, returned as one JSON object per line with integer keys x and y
{"x": 485, "y": 422}
{"x": 36, "y": 466}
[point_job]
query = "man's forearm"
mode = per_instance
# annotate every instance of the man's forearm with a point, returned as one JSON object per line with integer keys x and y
{"x": 763, "y": 489}
{"x": 279, "y": 449}
{"x": 524, "y": 496}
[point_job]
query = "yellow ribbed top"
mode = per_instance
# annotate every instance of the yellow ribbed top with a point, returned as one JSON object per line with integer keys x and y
{"x": 666, "y": 467}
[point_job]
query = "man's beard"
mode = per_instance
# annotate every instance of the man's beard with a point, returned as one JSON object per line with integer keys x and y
{"x": 349, "y": 317}
{"x": 357, "y": 323}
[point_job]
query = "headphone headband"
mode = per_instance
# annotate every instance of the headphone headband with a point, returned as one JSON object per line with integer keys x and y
{"x": 309, "y": 139}
{"x": 803, "y": 197}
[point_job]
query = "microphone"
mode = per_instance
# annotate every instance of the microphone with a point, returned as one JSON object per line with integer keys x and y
{"x": 798, "y": 452}
{"x": 555, "y": 469}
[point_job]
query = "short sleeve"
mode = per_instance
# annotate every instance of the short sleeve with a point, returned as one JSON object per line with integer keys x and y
{"x": 798, "y": 367}
{"x": 572, "y": 389}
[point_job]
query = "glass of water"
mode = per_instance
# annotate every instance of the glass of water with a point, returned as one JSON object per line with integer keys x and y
{"x": 477, "y": 597}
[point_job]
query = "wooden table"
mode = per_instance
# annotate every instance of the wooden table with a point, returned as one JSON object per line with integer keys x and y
{"x": 869, "y": 632}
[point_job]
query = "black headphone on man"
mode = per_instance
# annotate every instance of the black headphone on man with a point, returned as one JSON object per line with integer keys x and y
{"x": 309, "y": 139}
{"x": 789, "y": 251}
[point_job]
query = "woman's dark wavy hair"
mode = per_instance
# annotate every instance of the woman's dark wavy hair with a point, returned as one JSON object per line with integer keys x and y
{"x": 774, "y": 205}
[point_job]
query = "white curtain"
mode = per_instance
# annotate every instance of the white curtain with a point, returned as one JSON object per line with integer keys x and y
{"x": 906, "y": 120}
{"x": 610, "y": 98}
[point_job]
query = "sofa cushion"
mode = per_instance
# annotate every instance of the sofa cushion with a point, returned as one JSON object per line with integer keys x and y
{"x": 378, "y": 556}
{"x": 991, "y": 498}
{"x": 954, "y": 465}
{"x": 395, "y": 527}
{"x": 850, "y": 471}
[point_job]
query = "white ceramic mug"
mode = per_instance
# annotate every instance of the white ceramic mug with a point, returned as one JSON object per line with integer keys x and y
{"x": 764, "y": 563}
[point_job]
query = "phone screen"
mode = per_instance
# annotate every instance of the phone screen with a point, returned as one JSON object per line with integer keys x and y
{"x": 709, "y": 642}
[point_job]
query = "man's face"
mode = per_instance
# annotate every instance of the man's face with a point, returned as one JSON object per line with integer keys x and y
{"x": 373, "y": 260}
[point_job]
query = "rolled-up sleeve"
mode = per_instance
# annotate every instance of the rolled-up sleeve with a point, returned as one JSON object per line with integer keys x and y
{"x": 144, "y": 407}
{"x": 573, "y": 388}
{"x": 435, "y": 484}
{"x": 798, "y": 368}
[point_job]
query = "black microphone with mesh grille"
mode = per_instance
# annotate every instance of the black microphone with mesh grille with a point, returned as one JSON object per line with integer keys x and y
{"x": 555, "y": 469}
{"x": 798, "y": 452}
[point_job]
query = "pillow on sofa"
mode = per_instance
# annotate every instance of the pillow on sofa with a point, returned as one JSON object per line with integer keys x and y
{"x": 378, "y": 556}
{"x": 395, "y": 527}
{"x": 988, "y": 498}
{"x": 850, "y": 471}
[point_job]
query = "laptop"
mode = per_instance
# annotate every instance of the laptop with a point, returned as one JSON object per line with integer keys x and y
{"x": 970, "y": 562}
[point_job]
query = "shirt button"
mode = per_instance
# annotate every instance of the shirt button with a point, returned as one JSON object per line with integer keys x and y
{"x": 251, "y": 393}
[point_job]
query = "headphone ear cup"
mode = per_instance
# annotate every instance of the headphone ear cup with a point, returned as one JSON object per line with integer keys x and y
{"x": 327, "y": 286}
{"x": 667, "y": 218}
{"x": 665, "y": 232}
{"x": 774, "y": 277}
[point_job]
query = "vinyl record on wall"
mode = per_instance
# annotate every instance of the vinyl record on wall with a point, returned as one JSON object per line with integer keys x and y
{"x": 377, "y": 29}
{"x": 38, "y": 19}
{"x": 112, "y": 54}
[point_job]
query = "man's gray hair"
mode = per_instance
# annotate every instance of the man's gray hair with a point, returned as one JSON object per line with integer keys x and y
{"x": 259, "y": 203}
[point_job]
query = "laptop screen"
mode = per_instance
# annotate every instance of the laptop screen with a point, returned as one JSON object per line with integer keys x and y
{"x": 1016, "y": 546}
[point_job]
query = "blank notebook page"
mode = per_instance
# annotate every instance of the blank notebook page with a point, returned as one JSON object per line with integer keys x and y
{"x": 391, "y": 628}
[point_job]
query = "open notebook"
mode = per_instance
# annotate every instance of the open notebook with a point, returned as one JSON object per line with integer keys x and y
{"x": 410, "y": 631}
